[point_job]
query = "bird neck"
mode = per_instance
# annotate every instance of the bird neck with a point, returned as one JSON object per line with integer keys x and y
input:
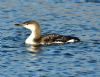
{"x": 34, "y": 36}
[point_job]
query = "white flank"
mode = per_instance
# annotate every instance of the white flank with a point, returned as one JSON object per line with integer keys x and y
{"x": 72, "y": 40}
{"x": 58, "y": 42}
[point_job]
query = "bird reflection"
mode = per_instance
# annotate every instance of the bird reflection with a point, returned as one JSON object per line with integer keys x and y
{"x": 33, "y": 48}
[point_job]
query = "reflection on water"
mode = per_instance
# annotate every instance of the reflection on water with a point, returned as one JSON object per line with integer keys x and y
{"x": 32, "y": 48}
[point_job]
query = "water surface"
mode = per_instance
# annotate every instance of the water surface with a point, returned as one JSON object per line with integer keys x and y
{"x": 81, "y": 19}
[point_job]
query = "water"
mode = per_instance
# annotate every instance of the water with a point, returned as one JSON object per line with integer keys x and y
{"x": 81, "y": 19}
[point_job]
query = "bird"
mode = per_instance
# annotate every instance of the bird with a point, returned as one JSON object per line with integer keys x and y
{"x": 35, "y": 38}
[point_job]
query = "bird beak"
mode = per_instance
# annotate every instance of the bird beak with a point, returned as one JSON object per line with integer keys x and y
{"x": 20, "y": 24}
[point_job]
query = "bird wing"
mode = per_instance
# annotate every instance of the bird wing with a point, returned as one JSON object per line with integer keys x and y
{"x": 52, "y": 38}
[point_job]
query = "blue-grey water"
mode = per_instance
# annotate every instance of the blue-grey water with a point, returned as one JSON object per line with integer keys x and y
{"x": 68, "y": 17}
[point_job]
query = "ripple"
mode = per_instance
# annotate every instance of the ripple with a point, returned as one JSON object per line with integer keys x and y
{"x": 92, "y": 61}
{"x": 68, "y": 55}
